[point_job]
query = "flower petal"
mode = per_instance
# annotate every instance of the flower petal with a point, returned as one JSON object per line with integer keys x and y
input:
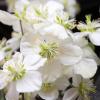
{"x": 33, "y": 62}
{"x": 56, "y": 30}
{"x": 62, "y": 83}
{"x": 89, "y": 53}
{"x": 95, "y": 38}
{"x": 86, "y": 67}
{"x": 10, "y": 19}
{"x": 70, "y": 54}
{"x": 51, "y": 71}
{"x": 76, "y": 80}
{"x": 52, "y": 9}
{"x": 51, "y": 95}
{"x": 2, "y": 55}
{"x": 70, "y": 94}
{"x": 3, "y": 79}
{"x": 12, "y": 94}
{"x": 30, "y": 83}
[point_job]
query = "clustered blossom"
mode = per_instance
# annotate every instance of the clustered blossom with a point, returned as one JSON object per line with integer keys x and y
{"x": 44, "y": 54}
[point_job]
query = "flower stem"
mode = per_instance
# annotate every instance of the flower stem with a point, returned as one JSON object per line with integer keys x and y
{"x": 21, "y": 27}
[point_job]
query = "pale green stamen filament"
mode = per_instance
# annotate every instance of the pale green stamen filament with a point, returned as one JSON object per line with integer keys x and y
{"x": 85, "y": 90}
{"x": 17, "y": 74}
{"x": 49, "y": 50}
{"x": 90, "y": 27}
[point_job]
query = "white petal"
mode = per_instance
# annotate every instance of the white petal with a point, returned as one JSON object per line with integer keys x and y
{"x": 3, "y": 79}
{"x": 2, "y": 55}
{"x": 51, "y": 95}
{"x": 76, "y": 80}
{"x": 12, "y": 94}
{"x": 31, "y": 82}
{"x": 33, "y": 62}
{"x": 70, "y": 54}
{"x": 10, "y": 19}
{"x": 72, "y": 10}
{"x": 56, "y": 30}
{"x": 80, "y": 40}
{"x": 51, "y": 71}
{"x": 89, "y": 53}
{"x": 18, "y": 58}
{"x": 62, "y": 83}
{"x": 8, "y": 63}
{"x": 20, "y": 5}
{"x": 86, "y": 67}
{"x": 52, "y": 9}
{"x": 70, "y": 94}
{"x": 95, "y": 38}
{"x": 14, "y": 43}
{"x": 29, "y": 44}
{"x": 26, "y": 49}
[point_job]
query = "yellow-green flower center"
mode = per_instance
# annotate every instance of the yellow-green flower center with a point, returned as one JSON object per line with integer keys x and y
{"x": 49, "y": 50}
{"x": 17, "y": 74}
{"x": 85, "y": 90}
{"x": 47, "y": 87}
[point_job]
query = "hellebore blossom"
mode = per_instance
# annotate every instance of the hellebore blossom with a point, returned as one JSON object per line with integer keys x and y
{"x": 50, "y": 91}
{"x": 87, "y": 66}
{"x": 81, "y": 89}
{"x": 23, "y": 73}
{"x": 57, "y": 51}
{"x": 91, "y": 29}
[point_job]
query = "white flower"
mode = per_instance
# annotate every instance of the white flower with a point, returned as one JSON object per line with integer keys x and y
{"x": 50, "y": 91}
{"x": 40, "y": 13}
{"x": 87, "y": 66}
{"x": 90, "y": 29}
{"x": 22, "y": 73}
{"x": 81, "y": 89}
{"x": 58, "y": 52}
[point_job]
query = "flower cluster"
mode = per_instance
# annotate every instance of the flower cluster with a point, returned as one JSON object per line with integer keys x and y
{"x": 44, "y": 57}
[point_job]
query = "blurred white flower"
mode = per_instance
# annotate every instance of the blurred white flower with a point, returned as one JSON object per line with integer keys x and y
{"x": 18, "y": 23}
{"x": 90, "y": 29}
{"x": 50, "y": 91}
{"x": 81, "y": 89}
{"x": 5, "y": 50}
{"x": 87, "y": 66}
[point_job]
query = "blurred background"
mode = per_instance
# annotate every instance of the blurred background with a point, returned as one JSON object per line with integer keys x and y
{"x": 86, "y": 7}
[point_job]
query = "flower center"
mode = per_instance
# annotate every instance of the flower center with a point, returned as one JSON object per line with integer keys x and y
{"x": 49, "y": 50}
{"x": 46, "y": 87}
{"x": 17, "y": 74}
{"x": 85, "y": 90}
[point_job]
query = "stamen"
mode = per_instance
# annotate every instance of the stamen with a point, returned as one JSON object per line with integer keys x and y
{"x": 49, "y": 50}
{"x": 85, "y": 90}
{"x": 47, "y": 87}
{"x": 17, "y": 74}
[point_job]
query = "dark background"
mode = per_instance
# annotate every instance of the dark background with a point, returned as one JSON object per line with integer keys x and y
{"x": 87, "y": 7}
